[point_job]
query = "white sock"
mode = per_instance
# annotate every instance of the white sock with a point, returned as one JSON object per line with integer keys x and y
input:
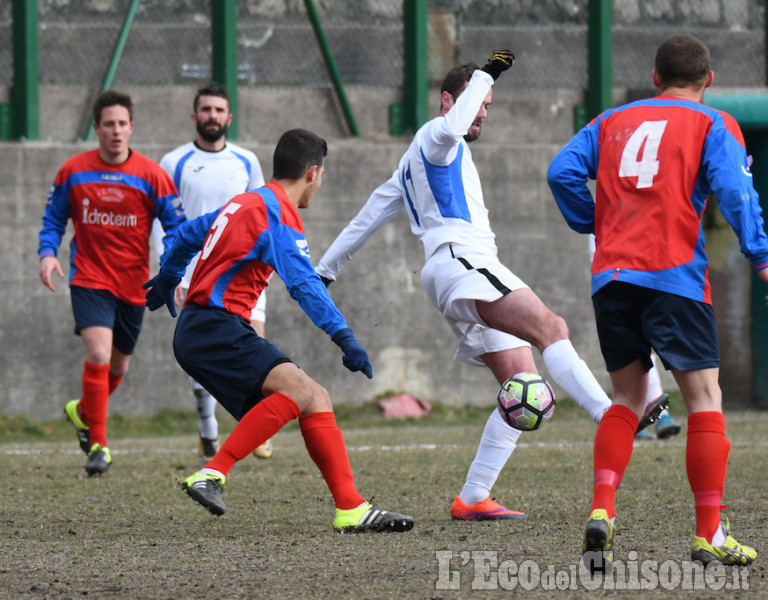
{"x": 207, "y": 471}
{"x": 573, "y": 375}
{"x": 719, "y": 538}
{"x": 496, "y": 445}
{"x": 206, "y": 414}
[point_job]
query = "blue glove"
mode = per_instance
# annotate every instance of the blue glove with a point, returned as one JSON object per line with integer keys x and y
{"x": 355, "y": 356}
{"x": 160, "y": 291}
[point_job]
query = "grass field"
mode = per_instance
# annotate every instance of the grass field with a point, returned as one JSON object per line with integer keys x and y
{"x": 133, "y": 534}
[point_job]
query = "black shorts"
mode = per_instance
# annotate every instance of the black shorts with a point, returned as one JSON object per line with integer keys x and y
{"x": 632, "y": 319}
{"x": 223, "y": 353}
{"x": 100, "y": 308}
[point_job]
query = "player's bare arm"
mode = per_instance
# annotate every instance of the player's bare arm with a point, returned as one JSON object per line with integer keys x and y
{"x": 49, "y": 264}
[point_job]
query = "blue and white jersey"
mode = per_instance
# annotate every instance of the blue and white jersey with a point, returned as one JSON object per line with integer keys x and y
{"x": 207, "y": 180}
{"x": 437, "y": 183}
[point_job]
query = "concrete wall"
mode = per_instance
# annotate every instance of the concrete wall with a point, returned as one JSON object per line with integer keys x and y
{"x": 379, "y": 291}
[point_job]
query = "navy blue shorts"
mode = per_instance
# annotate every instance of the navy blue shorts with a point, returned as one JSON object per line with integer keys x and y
{"x": 100, "y": 308}
{"x": 632, "y": 319}
{"x": 223, "y": 353}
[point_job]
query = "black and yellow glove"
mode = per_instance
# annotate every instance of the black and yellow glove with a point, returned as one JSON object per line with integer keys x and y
{"x": 498, "y": 62}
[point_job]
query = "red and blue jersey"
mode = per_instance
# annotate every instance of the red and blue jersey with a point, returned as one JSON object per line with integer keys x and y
{"x": 243, "y": 243}
{"x": 656, "y": 162}
{"x": 112, "y": 208}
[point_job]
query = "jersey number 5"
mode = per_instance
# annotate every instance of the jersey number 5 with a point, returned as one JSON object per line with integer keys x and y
{"x": 645, "y": 139}
{"x": 218, "y": 227}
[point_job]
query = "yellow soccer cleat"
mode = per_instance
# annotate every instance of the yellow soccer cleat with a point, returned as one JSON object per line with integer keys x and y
{"x": 597, "y": 551}
{"x": 730, "y": 552}
{"x": 369, "y": 517}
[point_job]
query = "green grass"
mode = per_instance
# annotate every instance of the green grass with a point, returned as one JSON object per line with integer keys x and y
{"x": 165, "y": 422}
{"x": 133, "y": 534}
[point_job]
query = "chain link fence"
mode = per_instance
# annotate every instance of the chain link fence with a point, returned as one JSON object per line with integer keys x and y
{"x": 170, "y": 42}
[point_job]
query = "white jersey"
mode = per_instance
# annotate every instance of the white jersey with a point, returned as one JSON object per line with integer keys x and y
{"x": 438, "y": 184}
{"x": 206, "y": 181}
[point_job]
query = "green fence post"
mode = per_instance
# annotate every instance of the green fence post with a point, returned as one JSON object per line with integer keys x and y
{"x": 330, "y": 63}
{"x": 759, "y": 327}
{"x": 20, "y": 117}
{"x": 599, "y": 62}
{"x": 224, "y": 59}
{"x": 416, "y": 69}
{"x": 117, "y": 54}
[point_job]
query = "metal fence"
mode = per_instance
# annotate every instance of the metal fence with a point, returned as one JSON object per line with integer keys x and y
{"x": 170, "y": 42}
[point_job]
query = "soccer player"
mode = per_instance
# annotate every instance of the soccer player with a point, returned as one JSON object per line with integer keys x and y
{"x": 111, "y": 194}
{"x": 655, "y": 162}
{"x": 243, "y": 243}
{"x": 494, "y": 315}
{"x": 207, "y": 173}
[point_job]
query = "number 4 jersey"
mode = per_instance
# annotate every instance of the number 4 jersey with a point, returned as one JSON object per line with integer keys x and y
{"x": 655, "y": 163}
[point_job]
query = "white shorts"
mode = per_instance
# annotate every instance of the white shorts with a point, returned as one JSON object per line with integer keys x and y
{"x": 455, "y": 277}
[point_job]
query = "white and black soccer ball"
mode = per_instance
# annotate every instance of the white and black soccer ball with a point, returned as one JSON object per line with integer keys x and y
{"x": 526, "y": 401}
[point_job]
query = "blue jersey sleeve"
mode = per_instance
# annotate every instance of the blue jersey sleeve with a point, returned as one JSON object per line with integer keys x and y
{"x": 170, "y": 212}
{"x": 55, "y": 217}
{"x": 725, "y": 162}
{"x": 186, "y": 240}
{"x": 567, "y": 177}
{"x": 286, "y": 251}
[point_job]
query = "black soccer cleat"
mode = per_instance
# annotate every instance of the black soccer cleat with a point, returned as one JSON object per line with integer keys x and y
{"x": 99, "y": 460}
{"x": 370, "y": 517}
{"x": 652, "y": 411}
{"x": 206, "y": 489}
{"x": 83, "y": 433}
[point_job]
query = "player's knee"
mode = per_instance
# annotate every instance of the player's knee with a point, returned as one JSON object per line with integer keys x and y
{"x": 320, "y": 401}
{"x": 551, "y": 328}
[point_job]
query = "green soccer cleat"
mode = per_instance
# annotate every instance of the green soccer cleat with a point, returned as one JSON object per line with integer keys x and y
{"x": 370, "y": 517}
{"x": 597, "y": 552}
{"x": 83, "y": 434}
{"x": 99, "y": 460}
{"x": 730, "y": 552}
{"x": 206, "y": 489}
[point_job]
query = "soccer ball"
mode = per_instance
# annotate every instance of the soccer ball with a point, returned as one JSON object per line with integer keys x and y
{"x": 526, "y": 401}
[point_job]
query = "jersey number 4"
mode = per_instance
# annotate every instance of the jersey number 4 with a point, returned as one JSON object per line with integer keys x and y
{"x": 639, "y": 158}
{"x": 218, "y": 227}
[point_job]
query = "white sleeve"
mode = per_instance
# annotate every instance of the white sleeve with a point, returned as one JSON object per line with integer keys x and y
{"x": 448, "y": 131}
{"x": 166, "y": 163}
{"x": 257, "y": 176}
{"x": 157, "y": 238}
{"x": 383, "y": 204}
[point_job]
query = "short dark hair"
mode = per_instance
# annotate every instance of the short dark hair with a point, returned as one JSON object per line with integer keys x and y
{"x": 297, "y": 150}
{"x": 682, "y": 60}
{"x": 457, "y": 77}
{"x": 213, "y": 89}
{"x": 111, "y": 98}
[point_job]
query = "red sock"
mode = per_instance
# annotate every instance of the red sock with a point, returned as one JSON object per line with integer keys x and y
{"x": 612, "y": 453}
{"x": 326, "y": 447}
{"x": 114, "y": 382}
{"x": 257, "y": 425}
{"x": 706, "y": 461}
{"x": 95, "y": 401}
